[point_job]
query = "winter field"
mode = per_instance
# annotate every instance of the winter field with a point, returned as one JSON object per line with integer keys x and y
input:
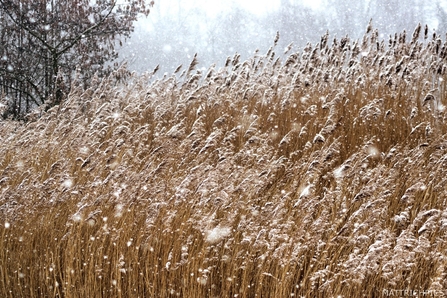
{"x": 320, "y": 173}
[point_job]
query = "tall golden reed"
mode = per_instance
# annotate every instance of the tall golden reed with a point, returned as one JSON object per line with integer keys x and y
{"x": 320, "y": 176}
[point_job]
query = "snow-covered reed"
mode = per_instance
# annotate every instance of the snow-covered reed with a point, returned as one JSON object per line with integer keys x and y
{"x": 319, "y": 174}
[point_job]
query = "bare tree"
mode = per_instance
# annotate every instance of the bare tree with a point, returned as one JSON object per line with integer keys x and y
{"x": 43, "y": 42}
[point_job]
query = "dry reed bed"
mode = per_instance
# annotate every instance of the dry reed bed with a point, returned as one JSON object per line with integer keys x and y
{"x": 317, "y": 175}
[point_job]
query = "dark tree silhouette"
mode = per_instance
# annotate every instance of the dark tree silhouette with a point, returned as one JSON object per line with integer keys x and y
{"x": 44, "y": 42}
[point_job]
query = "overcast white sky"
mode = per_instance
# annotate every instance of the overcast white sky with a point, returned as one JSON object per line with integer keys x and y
{"x": 261, "y": 6}
{"x": 195, "y": 26}
{"x": 217, "y": 6}
{"x": 258, "y": 7}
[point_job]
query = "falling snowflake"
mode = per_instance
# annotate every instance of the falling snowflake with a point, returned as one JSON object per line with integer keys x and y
{"x": 217, "y": 234}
